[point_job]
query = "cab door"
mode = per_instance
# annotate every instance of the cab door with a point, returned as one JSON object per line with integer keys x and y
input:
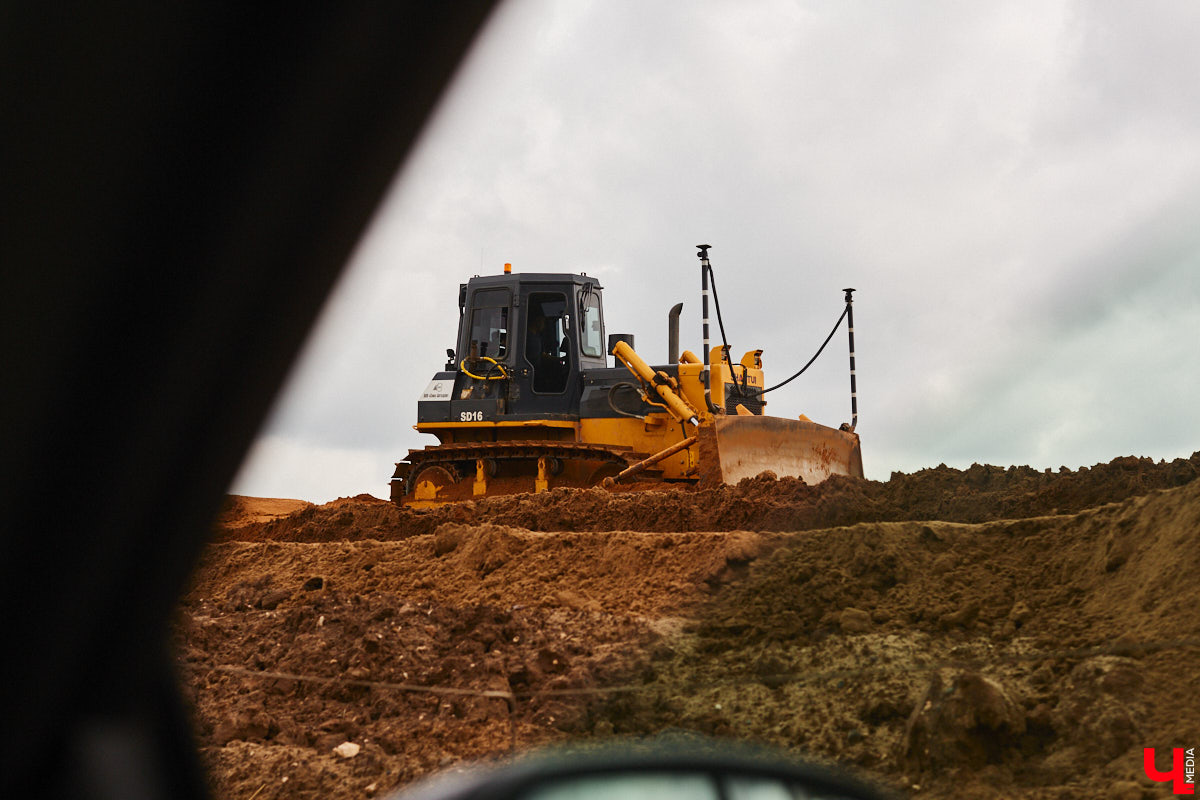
{"x": 551, "y": 375}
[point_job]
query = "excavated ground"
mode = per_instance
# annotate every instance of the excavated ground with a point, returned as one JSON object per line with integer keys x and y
{"x": 986, "y": 633}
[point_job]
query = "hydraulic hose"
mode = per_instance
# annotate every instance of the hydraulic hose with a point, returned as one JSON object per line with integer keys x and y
{"x": 503, "y": 373}
{"x": 612, "y": 399}
{"x": 836, "y": 325}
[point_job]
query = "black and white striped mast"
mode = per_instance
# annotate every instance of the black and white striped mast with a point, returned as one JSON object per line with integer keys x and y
{"x": 853, "y": 388}
{"x": 704, "y": 268}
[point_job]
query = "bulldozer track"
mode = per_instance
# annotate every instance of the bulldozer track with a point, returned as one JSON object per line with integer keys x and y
{"x": 456, "y": 462}
{"x": 469, "y": 451}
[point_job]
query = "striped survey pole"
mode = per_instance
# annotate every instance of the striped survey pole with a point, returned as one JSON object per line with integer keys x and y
{"x": 704, "y": 268}
{"x": 853, "y": 388}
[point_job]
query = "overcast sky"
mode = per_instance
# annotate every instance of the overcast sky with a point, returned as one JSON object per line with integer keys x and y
{"x": 1013, "y": 189}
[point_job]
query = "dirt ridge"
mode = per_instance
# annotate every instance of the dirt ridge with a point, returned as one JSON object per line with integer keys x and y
{"x": 976, "y": 494}
{"x": 991, "y": 632}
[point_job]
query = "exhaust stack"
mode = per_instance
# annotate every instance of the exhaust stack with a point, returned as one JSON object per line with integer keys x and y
{"x": 673, "y": 333}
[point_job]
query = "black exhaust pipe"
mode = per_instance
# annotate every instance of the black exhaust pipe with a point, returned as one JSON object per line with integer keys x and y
{"x": 673, "y": 333}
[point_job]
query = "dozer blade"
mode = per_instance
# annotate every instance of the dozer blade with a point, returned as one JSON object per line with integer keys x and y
{"x": 736, "y": 447}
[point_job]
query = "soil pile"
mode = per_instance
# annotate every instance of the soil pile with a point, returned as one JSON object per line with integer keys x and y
{"x": 952, "y": 632}
{"x": 976, "y": 494}
{"x": 240, "y": 512}
{"x": 999, "y": 659}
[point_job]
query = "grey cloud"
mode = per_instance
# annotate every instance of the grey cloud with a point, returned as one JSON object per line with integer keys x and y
{"x": 1012, "y": 189}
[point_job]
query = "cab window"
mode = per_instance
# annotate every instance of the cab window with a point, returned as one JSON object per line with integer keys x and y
{"x": 591, "y": 327}
{"x": 489, "y": 323}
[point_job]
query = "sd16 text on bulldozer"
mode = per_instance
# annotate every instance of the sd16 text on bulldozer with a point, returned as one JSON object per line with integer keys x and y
{"x": 527, "y": 402}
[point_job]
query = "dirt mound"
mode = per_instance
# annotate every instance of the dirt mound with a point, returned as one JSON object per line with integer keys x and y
{"x": 619, "y": 572}
{"x": 977, "y": 494}
{"x": 1081, "y": 574}
{"x": 488, "y": 608}
{"x": 239, "y": 511}
{"x": 1011, "y": 655}
{"x": 962, "y": 639}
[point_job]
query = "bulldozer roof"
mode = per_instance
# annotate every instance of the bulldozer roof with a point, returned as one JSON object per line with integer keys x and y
{"x": 533, "y": 277}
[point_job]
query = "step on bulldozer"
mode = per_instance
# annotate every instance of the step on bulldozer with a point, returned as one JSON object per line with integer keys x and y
{"x": 528, "y": 402}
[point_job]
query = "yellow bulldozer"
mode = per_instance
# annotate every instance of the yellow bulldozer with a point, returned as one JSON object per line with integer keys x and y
{"x": 528, "y": 402}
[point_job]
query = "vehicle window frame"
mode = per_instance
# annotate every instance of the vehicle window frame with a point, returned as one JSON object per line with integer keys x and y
{"x": 483, "y": 307}
{"x": 586, "y": 314}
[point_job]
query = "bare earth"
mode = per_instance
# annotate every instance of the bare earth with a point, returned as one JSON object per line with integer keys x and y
{"x": 990, "y": 632}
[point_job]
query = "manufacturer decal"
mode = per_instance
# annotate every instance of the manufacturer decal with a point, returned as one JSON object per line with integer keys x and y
{"x": 437, "y": 390}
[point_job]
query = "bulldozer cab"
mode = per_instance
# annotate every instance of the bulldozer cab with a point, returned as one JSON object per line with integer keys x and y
{"x": 523, "y": 342}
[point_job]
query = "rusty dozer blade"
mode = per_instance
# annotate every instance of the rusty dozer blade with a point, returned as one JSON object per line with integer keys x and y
{"x": 736, "y": 447}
